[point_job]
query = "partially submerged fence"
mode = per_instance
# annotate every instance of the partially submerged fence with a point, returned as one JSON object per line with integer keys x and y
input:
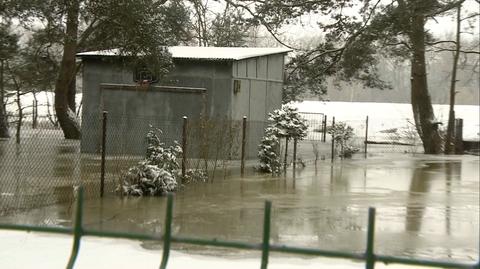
{"x": 369, "y": 256}
{"x": 43, "y": 168}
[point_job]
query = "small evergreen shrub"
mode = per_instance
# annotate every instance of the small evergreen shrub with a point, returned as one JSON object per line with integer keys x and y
{"x": 343, "y": 134}
{"x": 269, "y": 152}
{"x": 285, "y": 122}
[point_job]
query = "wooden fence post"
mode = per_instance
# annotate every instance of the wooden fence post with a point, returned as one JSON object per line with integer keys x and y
{"x": 184, "y": 146}
{"x": 104, "y": 142}
{"x": 244, "y": 143}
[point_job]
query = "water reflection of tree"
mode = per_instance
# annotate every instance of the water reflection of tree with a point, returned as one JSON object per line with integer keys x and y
{"x": 453, "y": 171}
{"x": 63, "y": 172}
{"x": 419, "y": 186}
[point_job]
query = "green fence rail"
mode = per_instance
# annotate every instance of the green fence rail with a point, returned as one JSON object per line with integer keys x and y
{"x": 369, "y": 256}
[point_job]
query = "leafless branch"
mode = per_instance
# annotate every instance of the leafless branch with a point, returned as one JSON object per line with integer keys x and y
{"x": 461, "y": 51}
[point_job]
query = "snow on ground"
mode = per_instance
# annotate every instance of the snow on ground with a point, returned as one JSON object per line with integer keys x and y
{"x": 45, "y": 102}
{"x": 21, "y": 250}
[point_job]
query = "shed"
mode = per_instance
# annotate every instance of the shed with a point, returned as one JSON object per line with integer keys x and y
{"x": 217, "y": 82}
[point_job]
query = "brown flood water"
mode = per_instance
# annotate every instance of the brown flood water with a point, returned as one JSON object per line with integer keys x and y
{"x": 427, "y": 206}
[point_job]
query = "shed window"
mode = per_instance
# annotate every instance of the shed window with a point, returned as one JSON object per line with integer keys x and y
{"x": 142, "y": 74}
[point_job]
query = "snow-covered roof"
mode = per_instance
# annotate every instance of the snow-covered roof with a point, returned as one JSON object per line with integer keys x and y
{"x": 203, "y": 53}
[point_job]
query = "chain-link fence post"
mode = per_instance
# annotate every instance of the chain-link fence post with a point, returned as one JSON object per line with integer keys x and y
{"x": 184, "y": 146}
{"x": 104, "y": 142}
{"x": 295, "y": 141}
{"x": 333, "y": 139}
{"x": 244, "y": 142}
{"x": 366, "y": 138}
{"x": 324, "y": 135}
{"x": 286, "y": 155}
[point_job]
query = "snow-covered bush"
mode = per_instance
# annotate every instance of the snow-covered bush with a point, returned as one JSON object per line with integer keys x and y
{"x": 285, "y": 122}
{"x": 157, "y": 174}
{"x": 195, "y": 175}
{"x": 269, "y": 152}
{"x": 146, "y": 179}
{"x": 343, "y": 133}
{"x": 157, "y": 154}
{"x": 288, "y": 122}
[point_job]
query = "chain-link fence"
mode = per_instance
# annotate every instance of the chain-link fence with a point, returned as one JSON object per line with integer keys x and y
{"x": 39, "y": 167}
{"x": 42, "y": 168}
{"x": 369, "y": 136}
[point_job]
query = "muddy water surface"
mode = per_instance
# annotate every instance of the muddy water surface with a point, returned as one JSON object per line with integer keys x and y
{"x": 427, "y": 206}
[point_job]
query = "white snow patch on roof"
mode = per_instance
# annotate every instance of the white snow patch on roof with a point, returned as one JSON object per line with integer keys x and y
{"x": 205, "y": 53}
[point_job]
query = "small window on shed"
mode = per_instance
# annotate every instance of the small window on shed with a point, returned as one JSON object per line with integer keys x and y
{"x": 142, "y": 74}
{"x": 236, "y": 86}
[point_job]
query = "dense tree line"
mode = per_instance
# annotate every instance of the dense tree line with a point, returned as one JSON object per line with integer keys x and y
{"x": 353, "y": 36}
{"x": 56, "y": 30}
{"x": 354, "y": 33}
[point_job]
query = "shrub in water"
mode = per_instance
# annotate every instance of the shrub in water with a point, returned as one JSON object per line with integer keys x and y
{"x": 157, "y": 174}
{"x": 195, "y": 175}
{"x": 283, "y": 122}
{"x": 343, "y": 133}
{"x": 268, "y": 153}
{"x": 147, "y": 179}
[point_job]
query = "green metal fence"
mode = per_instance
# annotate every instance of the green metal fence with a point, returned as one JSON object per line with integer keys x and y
{"x": 265, "y": 246}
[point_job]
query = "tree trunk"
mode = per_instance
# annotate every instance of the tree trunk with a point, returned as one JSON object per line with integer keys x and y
{"x": 66, "y": 116}
{"x": 449, "y": 145}
{"x": 4, "y": 133}
{"x": 421, "y": 103}
{"x": 72, "y": 90}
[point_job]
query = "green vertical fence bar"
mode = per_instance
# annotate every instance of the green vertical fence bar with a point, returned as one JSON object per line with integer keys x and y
{"x": 77, "y": 228}
{"x": 266, "y": 235}
{"x": 168, "y": 231}
{"x": 369, "y": 255}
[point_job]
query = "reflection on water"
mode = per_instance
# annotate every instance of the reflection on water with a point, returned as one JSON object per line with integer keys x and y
{"x": 426, "y": 206}
{"x": 43, "y": 171}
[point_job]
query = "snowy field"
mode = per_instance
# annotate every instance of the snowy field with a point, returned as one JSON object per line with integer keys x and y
{"x": 21, "y": 250}
{"x": 388, "y": 116}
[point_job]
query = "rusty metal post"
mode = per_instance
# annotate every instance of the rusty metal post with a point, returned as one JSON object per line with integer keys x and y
{"x": 286, "y": 155}
{"x": 33, "y": 114}
{"x": 184, "y": 146}
{"x": 2, "y": 87}
{"x": 104, "y": 142}
{"x": 325, "y": 129}
{"x": 333, "y": 139}
{"x": 295, "y": 141}
{"x": 244, "y": 143}
{"x": 366, "y": 137}
{"x": 458, "y": 136}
